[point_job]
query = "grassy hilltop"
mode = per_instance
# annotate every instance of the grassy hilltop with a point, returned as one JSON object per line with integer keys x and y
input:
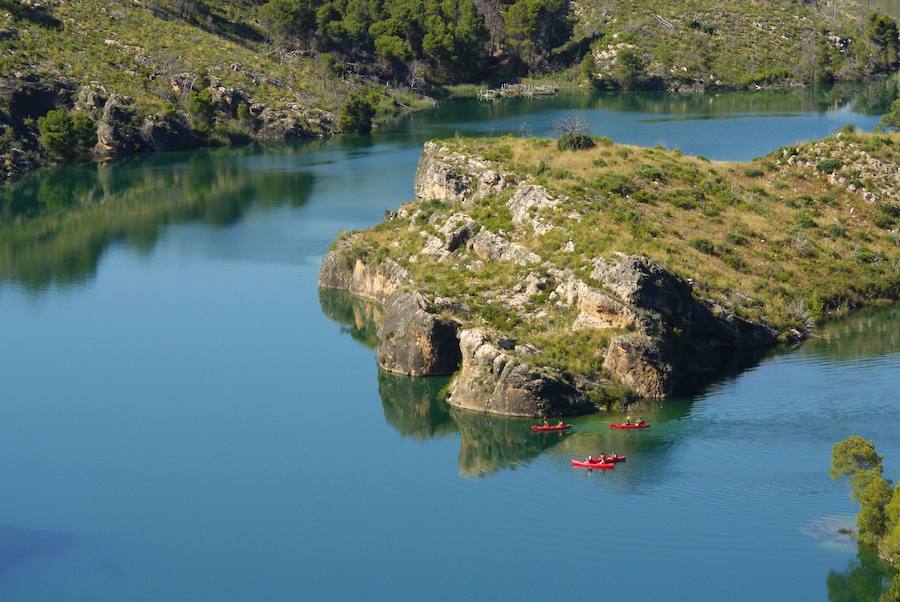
{"x": 788, "y": 239}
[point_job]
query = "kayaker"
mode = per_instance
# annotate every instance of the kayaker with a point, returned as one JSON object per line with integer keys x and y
{"x": 560, "y": 423}
{"x": 639, "y": 421}
{"x": 546, "y": 422}
{"x": 628, "y": 420}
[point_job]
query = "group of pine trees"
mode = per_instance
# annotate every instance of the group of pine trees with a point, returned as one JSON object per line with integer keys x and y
{"x": 456, "y": 40}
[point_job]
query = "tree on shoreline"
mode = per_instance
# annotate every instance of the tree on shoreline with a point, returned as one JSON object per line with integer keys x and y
{"x": 878, "y": 521}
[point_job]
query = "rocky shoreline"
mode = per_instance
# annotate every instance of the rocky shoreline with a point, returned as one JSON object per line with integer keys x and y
{"x": 663, "y": 332}
{"x": 122, "y": 128}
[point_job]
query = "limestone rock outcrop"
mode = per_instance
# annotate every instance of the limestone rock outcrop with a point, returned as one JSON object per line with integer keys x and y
{"x": 493, "y": 378}
{"x": 414, "y": 340}
{"x": 117, "y": 131}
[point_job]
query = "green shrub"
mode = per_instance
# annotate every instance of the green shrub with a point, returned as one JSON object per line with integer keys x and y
{"x": 358, "y": 112}
{"x": 651, "y": 173}
{"x": 828, "y": 165}
{"x": 704, "y": 245}
{"x": 753, "y": 172}
{"x": 201, "y": 109}
{"x": 67, "y": 135}
{"x": 574, "y": 141}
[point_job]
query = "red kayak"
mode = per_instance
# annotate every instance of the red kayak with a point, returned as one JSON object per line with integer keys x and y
{"x": 551, "y": 427}
{"x": 617, "y": 425}
{"x": 592, "y": 465}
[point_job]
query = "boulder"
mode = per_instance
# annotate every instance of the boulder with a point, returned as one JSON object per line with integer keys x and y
{"x": 280, "y": 125}
{"x": 639, "y": 363}
{"x": 494, "y": 247}
{"x": 167, "y": 132}
{"x": 597, "y": 309}
{"x": 638, "y": 282}
{"x": 453, "y": 177}
{"x": 414, "y": 340}
{"x": 526, "y": 204}
{"x": 458, "y": 229}
{"x": 228, "y": 99}
{"x": 494, "y": 378}
{"x": 90, "y": 99}
{"x": 437, "y": 178}
{"x": 117, "y": 132}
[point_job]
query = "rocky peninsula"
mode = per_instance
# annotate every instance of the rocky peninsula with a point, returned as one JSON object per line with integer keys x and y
{"x": 556, "y": 282}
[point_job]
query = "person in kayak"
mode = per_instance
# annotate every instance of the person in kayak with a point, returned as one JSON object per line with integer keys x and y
{"x": 546, "y": 422}
{"x": 639, "y": 422}
{"x": 628, "y": 420}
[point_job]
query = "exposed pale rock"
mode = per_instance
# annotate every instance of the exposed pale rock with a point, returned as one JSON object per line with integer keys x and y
{"x": 414, "y": 340}
{"x": 493, "y": 247}
{"x": 526, "y": 204}
{"x": 494, "y": 379}
{"x": 638, "y": 363}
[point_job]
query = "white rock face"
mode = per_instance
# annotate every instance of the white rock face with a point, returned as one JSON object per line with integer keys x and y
{"x": 526, "y": 205}
{"x": 493, "y": 247}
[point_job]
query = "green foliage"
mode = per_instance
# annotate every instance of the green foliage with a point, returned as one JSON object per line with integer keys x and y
{"x": 67, "y": 135}
{"x": 891, "y": 119}
{"x": 630, "y": 70}
{"x": 201, "y": 109}
{"x": 574, "y": 141}
{"x": 852, "y": 455}
{"x": 881, "y": 32}
{"x": 535, "y": 27}
{"x": 873, "y": 493}
{"x": 704, "y": 245}
{"x": 287, "y": 19}
{"x": 893, "y": 593}
{"x": 243, "y": 114}
{"x": 828, "y": 165}
{"x": 857, "y": 459}
{"x": 358, "y": 112}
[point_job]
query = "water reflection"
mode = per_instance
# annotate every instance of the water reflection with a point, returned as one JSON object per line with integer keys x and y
{"x": 870, "y": 332}
{"x": 865, "y": 579}
{"x": 55, "y": 225}
{"x": 415, "y": 406}
{"x": 358, "y": 318}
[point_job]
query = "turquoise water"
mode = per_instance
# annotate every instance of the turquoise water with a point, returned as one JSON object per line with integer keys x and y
{"x": 184, "y": 417}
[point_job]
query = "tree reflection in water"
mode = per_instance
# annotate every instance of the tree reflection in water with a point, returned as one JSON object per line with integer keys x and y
{"x": 56, "y": 224}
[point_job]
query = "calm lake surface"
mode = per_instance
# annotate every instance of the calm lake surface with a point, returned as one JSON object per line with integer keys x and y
{"x": 184, "y": 417}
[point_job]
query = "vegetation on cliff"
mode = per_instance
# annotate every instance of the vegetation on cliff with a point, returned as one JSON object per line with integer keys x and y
{"x": 878, "y": 521}
{"x": 197, "y": 72}
{"x": 783, "y": 241}
{"x": 733, "y": 44}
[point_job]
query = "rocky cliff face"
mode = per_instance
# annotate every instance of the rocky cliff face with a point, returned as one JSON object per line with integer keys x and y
{"x": 656, "y": 331}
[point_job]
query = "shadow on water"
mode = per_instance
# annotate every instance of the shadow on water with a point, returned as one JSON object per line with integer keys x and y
{"x": 19, "y": 546}
{"x": 56, "y": 224}
{"x": 864, "y": 580}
